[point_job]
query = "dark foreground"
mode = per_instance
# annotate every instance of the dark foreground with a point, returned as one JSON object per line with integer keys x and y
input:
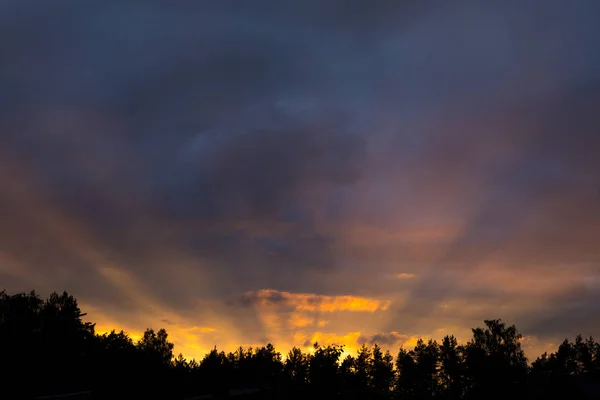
{"x": 47, "y": 351}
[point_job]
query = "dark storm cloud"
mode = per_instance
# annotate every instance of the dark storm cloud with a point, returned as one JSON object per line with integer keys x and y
{"x": 259, "y": 174}
{"x": 385, "y": 339}
{"x": 129, "y": 112}
{"x": 206, "y": 147}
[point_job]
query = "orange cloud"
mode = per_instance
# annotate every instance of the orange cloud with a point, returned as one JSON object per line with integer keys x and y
{"x": 295, "y": 319}
{"x": 299, "y": 321}
{"x": 405, "y": 275}
{"x": 316, "y": 302}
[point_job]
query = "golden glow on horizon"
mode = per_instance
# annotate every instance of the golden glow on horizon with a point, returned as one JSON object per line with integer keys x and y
{"x": 194, "y": 342}
{"x": 186, "y": 340}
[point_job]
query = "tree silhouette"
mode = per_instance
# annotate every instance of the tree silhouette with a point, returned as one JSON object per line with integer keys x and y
{"x": 381, "y": 372}
{"x": 407, "y": 379}
{"x": 116, "y": 361}
{"x": 323, "y": 369}
{"x": 495, "y": 361}
{"x": 156, "y": 348}
{"x": 241, "y": 362}
{"x": 19, "y": 339}
{"x": 452, "y": 374}
{"x": 47, "y": 344}
{"x": 213, "y": 372}
{"x": 296, "y": 372}
{"x": 268, "y": 367}
{"x": 362, "y": 369}
{"x": 50, "y": 332}
{"x": 564, "y": 372}
{"x": 427, "y": 357}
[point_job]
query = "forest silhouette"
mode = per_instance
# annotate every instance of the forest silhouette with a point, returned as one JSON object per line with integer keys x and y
{"x": 47, "y": 349}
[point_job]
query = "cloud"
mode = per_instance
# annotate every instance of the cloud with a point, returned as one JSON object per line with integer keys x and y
{"x": 314, "y": 302}
{"x": 568, "y": 312}
{"x": 257, "y": 174}
{"x": 405, "y": 275}
{"x": 385, "y": 339}
{"x": 299, "y": 321}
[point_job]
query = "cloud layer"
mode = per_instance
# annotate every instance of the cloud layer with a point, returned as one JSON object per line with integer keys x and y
{"x": 298, "y": 170}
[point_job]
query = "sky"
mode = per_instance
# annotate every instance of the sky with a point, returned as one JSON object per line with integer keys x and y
{"x": 244, "y": 172}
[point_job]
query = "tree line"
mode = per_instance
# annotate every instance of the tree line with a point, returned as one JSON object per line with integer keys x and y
{"x": 46, "y": 348}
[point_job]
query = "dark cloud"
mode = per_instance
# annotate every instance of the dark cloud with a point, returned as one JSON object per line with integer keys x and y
{"x": 262, "y": 174}
{"x": 269, "y": 297}
{"x": 571, "y": 312}
{"x": 385, "y": 339}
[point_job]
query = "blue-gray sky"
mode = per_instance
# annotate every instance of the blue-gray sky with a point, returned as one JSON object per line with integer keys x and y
{"x": 243, "y": 171}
